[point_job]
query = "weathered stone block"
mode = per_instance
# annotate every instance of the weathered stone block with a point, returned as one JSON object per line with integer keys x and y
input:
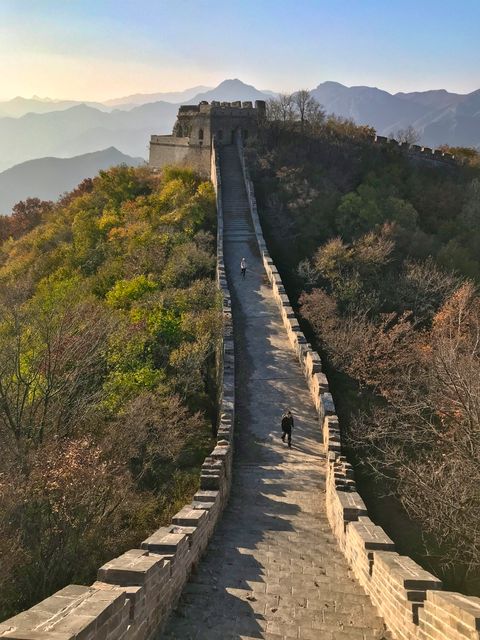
{"x": 369, "y": 536}
{"x": 405, "y": 572}
{"x": 75, "y": 612}
{"x": 449, "y": 615}
{"x": 166, "y": 543}
{"x": 133, "y": 568}
{"x": 206, "y": 496}
{"x": 352, "y": 505}
{"x": 331, "y": 428}
{"x": 189, "y": 517}
{"x": 313, "y": 363}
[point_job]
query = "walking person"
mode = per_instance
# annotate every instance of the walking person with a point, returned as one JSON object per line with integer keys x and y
{"x": 243, "y": 267}
{"x": 287, "y": 427}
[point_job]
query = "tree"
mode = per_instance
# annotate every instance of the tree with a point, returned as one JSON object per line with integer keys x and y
{"x": 409, "y": 135}
{"x": 418, "y": 367}
{"x": 286, "y": 107}
{"x": 467, "y": 155}
{"x": 109, "y": 321}
{"x": 281, "y": 109}
{"x": 51, "y": 368}
{"x": 426, "y": 442}
{"x": 72, "y": 498}
{"x": 300, "y": 106}
{"x": 304, "y": 103}
{"x": 26, "y": 215}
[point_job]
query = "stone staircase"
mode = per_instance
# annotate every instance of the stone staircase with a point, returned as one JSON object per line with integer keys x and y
{"x": 273, "y": 569}
{"x": 237, "y": 221}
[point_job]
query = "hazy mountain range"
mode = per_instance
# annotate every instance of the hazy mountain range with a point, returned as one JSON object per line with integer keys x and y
{"x": 18, "y": 107}
{"x": 68, "y": 128}
{"x": 440, "y": 117}
{"x": 35, "y": 128}
{"x": 127, "y": 102}
{"x": 49, "y": 178}
{"x": 82, "y": 129}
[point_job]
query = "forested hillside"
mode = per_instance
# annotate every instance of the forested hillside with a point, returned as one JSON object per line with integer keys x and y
{"x": 109, "y": 323}
{"x": 382, "y": 256}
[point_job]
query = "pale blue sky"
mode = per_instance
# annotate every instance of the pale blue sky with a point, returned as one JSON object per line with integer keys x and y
{"x": 99, "y": 49}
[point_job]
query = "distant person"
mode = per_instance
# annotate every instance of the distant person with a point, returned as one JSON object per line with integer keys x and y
{"x": 243, "y": 267}
{"x": 287, "y": 426}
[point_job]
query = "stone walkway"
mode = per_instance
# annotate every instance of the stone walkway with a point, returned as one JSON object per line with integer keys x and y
{"x": 272, "y": 570}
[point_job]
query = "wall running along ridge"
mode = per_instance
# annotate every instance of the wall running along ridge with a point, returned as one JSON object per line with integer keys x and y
{"x": 409, "y": 599}
{"x": 436, "y": 157}
{"x": 135, "y": 593}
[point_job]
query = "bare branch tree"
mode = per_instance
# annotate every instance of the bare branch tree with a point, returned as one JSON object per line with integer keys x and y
{"x": 408, "y": 135}
{"x": 303, "y": 100}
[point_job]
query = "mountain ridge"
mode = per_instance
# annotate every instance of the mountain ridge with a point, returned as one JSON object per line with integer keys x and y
{"x": 174, "y": 97}
{"x": 440, "y": 117}
{"x": 49, "y": 177}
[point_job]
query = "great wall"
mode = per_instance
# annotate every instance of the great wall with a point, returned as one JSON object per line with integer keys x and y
{"x": 293, "y": 552}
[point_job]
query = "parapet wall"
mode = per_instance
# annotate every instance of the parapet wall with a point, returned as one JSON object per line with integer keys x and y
{"x": 136, "y": 592}
{"x": 409, "y": 599}
{"x": 173, "y": 151}
{"x": 417, "y": 152}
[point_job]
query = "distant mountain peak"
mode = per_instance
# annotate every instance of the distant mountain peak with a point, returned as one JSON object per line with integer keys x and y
{"x": 234, "y": 83}
{"x": 231, "y": 89}
{"x": 332, "y": 83}
{"x": 46, "y": 99}
{"x": 231, "y": 81}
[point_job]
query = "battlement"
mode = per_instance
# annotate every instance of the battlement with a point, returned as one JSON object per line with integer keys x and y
{"x": 215, "y": 107}
{"x": 415, "y": 151}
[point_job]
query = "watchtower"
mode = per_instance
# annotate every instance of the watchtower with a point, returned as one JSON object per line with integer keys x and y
{"x": 191, "y": 141}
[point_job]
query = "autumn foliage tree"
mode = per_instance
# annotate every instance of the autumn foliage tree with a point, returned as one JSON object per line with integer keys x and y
{"x": 109, "y": 324}
{"x": 25, "y": 216}
{"x": 415, "y": 356}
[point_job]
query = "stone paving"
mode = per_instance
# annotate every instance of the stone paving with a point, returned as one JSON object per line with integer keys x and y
{"x": 272, "y": 569}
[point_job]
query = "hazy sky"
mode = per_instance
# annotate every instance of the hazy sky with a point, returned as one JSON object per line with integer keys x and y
{"x": 99, "y": 49}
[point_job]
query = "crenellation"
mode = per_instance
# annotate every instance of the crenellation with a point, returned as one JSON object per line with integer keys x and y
{"x": 418, "y": 152}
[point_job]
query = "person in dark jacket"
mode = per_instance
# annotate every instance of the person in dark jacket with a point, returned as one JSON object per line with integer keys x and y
{"x": 243, "y": 267}
{"x": 287, "y": 427}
